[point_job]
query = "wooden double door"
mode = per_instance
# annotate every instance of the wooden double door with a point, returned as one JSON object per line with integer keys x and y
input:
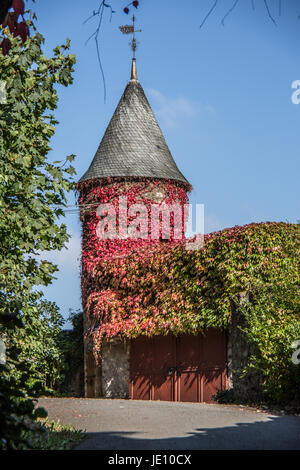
{"x": 184, "y": 368}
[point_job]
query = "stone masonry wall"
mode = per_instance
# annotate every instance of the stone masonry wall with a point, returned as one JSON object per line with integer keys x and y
{"x": 115, "y": 369}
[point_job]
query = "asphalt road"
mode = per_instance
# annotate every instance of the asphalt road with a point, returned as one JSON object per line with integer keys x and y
{"x": 155, "y": 425}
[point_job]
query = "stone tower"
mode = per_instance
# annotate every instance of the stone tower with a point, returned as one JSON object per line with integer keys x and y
{"x": 134, "y": 162}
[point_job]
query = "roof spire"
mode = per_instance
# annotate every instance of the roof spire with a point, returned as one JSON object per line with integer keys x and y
{"x": 133, "y": 70}
{"x": 130, "y": 29}
{"x": 133, "y": 145}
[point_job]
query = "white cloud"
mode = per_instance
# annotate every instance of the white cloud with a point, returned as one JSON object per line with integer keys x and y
{"x": 172, "y": 110}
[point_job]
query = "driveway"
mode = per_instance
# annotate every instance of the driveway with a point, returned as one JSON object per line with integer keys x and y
{"x": 156, "y": 425}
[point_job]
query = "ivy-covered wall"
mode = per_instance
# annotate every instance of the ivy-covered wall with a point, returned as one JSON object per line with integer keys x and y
{"x": 150, "y": 287}
{"x": 111, "y": 253}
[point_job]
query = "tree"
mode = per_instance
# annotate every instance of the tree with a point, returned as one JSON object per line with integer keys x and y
{"x": 32, "y": 198}
{"x": 72, "y": 349}
{"x": 32, "y": 192}
{"x": 39, "y": 366}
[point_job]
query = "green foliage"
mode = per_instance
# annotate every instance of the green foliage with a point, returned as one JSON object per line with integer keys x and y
{"x": 32, "y": 190}
{"x": 17, "y": 413}
{"x": 166, "y": 287}
{"x": 54, "y": 436}
{"x": 71, "y": 343}
{"x": 273, "y": 324}
{"x": 39, "y": 365}
{"x": 225, "y": 396}
{"x": 32, "y": 199}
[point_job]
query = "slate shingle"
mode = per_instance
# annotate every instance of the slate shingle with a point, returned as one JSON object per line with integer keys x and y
{"x": 133, "y": 144}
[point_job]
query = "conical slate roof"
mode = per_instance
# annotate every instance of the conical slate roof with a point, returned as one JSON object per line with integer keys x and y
{"x": 133, "y": 144}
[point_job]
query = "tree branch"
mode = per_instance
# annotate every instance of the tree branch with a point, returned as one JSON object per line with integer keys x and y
{"x": 209, "y": 13}
{"x": 95, "y": 35}
{"x": 269, "y": 13}
{"x": 228, "y": 12}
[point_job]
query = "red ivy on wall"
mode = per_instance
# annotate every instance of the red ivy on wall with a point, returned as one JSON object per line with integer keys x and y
{"x": 99, "y": 298}
{"x": 132, "y": 287}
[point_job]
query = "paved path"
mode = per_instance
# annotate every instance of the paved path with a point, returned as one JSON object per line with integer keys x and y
{"x": 155, "y": 425}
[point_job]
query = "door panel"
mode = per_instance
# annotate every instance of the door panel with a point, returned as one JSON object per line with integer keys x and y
{"x": 141, "y": 387}
{"x": 211, "y": 382}
{"x": 188, "y": 386}
{"x": 188, "y": 351}
{"x": 187, "y": 368}
{"x": 213, "y": 349}
{"x": 164, "y": 348}
{"x": 164, "y": 361}
{"x": 141, "y": 358}
{"x": 163, "y": 388}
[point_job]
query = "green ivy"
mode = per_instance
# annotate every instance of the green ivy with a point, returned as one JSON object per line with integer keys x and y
{"x": 168, "y": 288}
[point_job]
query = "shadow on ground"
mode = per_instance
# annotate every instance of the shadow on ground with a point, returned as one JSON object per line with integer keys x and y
{"x": 278, "y": 433}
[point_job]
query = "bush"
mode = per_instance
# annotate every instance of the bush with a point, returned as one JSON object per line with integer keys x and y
{"x": 224, "y": 396}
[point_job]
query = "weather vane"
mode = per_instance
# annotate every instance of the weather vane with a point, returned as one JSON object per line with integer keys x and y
{"x": 130, "y": 29}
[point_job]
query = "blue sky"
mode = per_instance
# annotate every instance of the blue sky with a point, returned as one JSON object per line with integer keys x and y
{"x": 221, "y": 94}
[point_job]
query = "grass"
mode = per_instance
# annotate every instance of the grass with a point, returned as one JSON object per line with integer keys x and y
{"x": 52, "y": 435}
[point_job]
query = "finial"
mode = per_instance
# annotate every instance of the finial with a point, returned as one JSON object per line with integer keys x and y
{"x": 133, "y": 70}
{"x": 130, "y": 29}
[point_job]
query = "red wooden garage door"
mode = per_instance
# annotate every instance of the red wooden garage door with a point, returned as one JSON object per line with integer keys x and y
{"x": 186, "y": 368}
